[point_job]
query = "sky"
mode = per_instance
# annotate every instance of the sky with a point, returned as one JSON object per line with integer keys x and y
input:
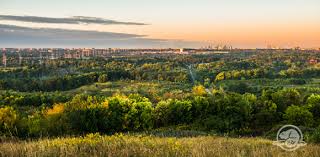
{"x": 159, "y": 23}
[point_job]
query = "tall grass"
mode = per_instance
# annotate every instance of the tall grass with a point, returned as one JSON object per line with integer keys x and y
{"x": 129, "y": 145}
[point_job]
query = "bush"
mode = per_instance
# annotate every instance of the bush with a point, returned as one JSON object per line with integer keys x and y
{"x": 140, "y": 113}
{"x": 265, "y": 115}
{"x": 180, "y": 112}
{"x": 235, "y": 111}
{"x": 199, "y": 90}
{"x": 298, "y": 116}
{"x": 57, "y": 124}
{"x": 8, "y": 120}
{"x": 36, "y": 126}
{"x": 285, "y": 98}
{"x": 315, "y": 136}
{"x": 85, "y": 114}
{"x": 313, "y": 103}
{"x": 161, "y": 114}
{"x": 214, "y": 123}
{"x": 241, "y": 87}
{"x": 133, "y": 113}
{"x": 88, "y": 120}
{"x": 200, "y": 107}
{"x": 229, "y": 112}
{"x": 103, "y": 78}
{"x": 298, "y": 81}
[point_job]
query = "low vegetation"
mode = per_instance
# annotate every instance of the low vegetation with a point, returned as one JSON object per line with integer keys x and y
{"x": 129, "y": 145}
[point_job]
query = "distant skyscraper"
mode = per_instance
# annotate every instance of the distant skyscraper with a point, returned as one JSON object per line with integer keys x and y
{"x": 40, "y": 58}
{"x": 52, "y": 55}
{"x": 4, "y": 59}
{"x": 20, "y": 58}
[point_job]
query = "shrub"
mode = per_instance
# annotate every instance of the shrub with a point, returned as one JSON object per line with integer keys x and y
{"x": 199, "y": 90}
{"x": 36, "y": 125}
{"x": 298, "y": 81}
{"x": 8, "y": 119}
{"x": 298, "y": 116}
{"x": 140, "y": 113}
{"x": 85, "y": 114}
{"x": 180, "y": 112}
{"x": 57, "y": 124}
{"x": 241, "y": 87}
{"x": 315, "y": 136}
{"x": 229, "y": 112}
{"x": 129, "y": 113}
{"x": 313, "y": 103}
{"x": 285, "y": 98}
{"x": 103, "y": 78}
{"x": 200, "y": 106}
{"x": 265, "y": 115}
{"x": 161, "y": 113}
{"x": 88, "y": 120}
{"x": 214, "y": 123}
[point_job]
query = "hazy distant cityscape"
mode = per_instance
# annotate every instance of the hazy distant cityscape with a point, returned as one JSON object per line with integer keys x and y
{"x": 18, "y": 56}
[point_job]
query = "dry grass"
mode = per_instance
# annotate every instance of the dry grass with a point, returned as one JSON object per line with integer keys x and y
{"x": 128, "y": 145}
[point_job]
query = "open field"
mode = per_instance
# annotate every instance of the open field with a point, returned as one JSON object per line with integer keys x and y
{"x": 130, "y": 87}
{"x": 154, "y": 90}
{"x": 138, "y": 145}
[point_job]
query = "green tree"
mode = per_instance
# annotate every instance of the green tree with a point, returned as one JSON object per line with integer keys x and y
{"x": 264, "y": 115}
{"x": 85, "y": 114}
{"x": 207, "y": 82}
{"x": 161, "y": 113}
{"x": 285, "y": 98}
{"x": 298, "y": 116}
{"x": 313, "y": 103}
{"x": 231, "y": 112}
{"x": 140, "y": 114}
{"x": 180, "y": 112}
{"x": 103, "y": 78}
{"x": 129, "y": 113}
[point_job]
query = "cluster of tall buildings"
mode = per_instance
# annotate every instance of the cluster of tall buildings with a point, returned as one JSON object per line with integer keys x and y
{"x": 218, "y": 47}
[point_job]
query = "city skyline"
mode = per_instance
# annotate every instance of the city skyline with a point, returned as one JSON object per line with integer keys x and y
{"x": 159, "y": 24}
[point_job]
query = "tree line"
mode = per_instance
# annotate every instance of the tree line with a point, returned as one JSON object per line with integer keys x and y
{"x": 222, "y": 112}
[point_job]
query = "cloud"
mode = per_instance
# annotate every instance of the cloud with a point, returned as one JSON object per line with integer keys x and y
{"x": 18, "y": 36}
{"x": 22, "y": 36}
{"x": 68, "y": 20}
{"x": 62, "y": 34}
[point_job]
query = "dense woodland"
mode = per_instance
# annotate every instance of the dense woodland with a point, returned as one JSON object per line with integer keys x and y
{"x": 240, "y": 93}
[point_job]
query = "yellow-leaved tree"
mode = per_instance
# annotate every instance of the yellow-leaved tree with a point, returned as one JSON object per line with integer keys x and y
{"x": 199, "y": 90}
{"x": 8, "y": 118}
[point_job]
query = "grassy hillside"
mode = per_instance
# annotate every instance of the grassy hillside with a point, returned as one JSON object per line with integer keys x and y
{"x": 140, "y": 145}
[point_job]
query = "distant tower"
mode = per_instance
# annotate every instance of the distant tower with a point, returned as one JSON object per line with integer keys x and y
{"x": 4, "y": 59}
{"x": 40, "y": 58}
{"x": 20, "y": 58}
{"x": 82, "y": 53}
{"x": 52, "y": 55}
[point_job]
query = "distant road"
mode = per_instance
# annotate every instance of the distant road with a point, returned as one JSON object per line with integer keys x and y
{"x": 193, "y": 77}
